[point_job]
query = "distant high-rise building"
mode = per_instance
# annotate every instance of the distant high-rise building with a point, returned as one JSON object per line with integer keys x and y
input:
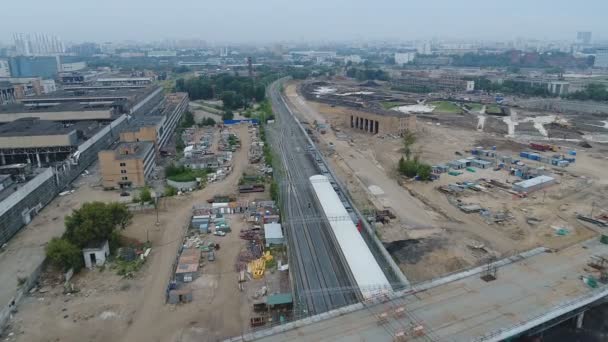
{"x": 84, "y": 49}
{"x": 5, "y": 70}
{"x": 601, "y": 58}
{"x": 37, "y": 45}
{"x": 39, "y": 66}
{"x": 583, "y": 37}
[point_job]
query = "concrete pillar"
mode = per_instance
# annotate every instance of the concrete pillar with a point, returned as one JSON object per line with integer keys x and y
{"x": 38, "y": 159}
{"x": 579, "y": 320}
{"x": 2, "y": 159}
{"x": 356, "y": 122}
{"x": 351, "y": 122}
{"x": 48, "y": 160}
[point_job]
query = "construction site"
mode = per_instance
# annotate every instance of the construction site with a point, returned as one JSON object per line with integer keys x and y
{"x": 475, "y": 209}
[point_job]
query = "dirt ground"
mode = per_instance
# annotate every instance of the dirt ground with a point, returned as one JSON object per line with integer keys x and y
{"x": 109, "y": 307}
{"x": 431, "y": 236}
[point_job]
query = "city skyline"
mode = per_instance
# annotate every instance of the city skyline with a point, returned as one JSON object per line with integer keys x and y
{"x": 237, "y": 21}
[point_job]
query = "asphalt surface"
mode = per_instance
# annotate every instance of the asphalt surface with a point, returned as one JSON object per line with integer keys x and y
{"x": 322, "y": 280}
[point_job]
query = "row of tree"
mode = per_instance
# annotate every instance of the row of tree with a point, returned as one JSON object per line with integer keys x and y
{"x": 94, "y": 221}
{"x": 367, "y": 74}
{"x": 234, "y": 91}
{"x": 512, "y": 87}
{"x": 593, "y": 91}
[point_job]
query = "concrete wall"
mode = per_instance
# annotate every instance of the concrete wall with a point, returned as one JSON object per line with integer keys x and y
{"x": 379, "y": 124}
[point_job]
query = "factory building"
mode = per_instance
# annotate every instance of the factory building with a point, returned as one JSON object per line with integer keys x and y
{"x": 423, "y": 82}
{"x": 129, "y": 165}
{"x": 114, "y": 81}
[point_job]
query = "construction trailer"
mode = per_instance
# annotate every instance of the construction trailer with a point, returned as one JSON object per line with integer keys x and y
{"x": 534, "y": 184}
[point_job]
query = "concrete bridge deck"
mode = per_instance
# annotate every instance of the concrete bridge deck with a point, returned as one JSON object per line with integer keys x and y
{"x": 527, "y": 292}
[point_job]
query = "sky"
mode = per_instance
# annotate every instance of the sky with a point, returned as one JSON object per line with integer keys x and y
{"x": 257, "y": 21}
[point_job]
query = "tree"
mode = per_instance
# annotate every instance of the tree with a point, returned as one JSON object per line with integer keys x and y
{"x": 120, "y": 214}
{"x": 409, "y": 139}
{"x": 187, "y": 119}
{"x": 145, "y": 195}
{"x": 94, "y": 221}
{"x": 410, "y": 168}
{"x": 64, "y": 254}
{"x": 424, "y": 171}
{"x": 228, "y": 115}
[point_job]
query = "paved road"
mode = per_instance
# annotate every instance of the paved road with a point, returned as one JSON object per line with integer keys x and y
{"x": 320, "y": 274}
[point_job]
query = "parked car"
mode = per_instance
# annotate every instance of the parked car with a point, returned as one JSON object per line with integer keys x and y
{"x": 219, "y": 233}
{"x": 211, "y": 256}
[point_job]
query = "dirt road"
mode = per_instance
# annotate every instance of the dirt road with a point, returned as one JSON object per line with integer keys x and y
{"x": 110, "y": 308}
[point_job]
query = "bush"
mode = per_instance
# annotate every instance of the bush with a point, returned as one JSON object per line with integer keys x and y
{"x": 64, "y": 254}
{"x": 170, "y": 191}
{"x": 145, "y": 195}
{"x": 424, "y": 171}
{"x": 409, "y": 168}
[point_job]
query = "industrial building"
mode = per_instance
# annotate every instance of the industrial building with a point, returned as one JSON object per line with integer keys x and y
{"x": 36, "y": 141}
{"x": 424, "y": 82}
{"x": 365, "y": 269}
{"x": 601, "y": 58}
{"x": 157, "y": 128}
{"x": 128, "y": 165}
{"x": 63, "y": 112}
{"x": 125, "y": 101}
{"x": 124, "y": 81}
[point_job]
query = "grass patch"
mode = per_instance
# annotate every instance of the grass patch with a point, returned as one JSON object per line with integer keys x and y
{"x": 445, "y": 107}
{"x": 474, "y": 107}
{"x": 390, "y": 104}
{"x": 493, "y": 109}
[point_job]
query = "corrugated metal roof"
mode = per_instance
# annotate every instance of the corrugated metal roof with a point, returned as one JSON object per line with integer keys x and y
{"x": 363, "y": 265}
{"x": 273, "y": 231}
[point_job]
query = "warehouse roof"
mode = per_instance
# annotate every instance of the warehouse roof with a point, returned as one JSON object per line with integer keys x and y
{"x": 363, "y": 265}
{"x": 52, "y": 107}
{"x": 33, "y": 127}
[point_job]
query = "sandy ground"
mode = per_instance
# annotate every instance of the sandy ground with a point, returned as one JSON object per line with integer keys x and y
{"x": 25, "y": 251}
{"x": 109, "y": 307}
{"x": 431, "y": 236}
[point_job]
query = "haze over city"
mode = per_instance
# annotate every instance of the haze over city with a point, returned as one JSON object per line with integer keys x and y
{"x": 241, "y": 21}
{"x": 314, "y": 171}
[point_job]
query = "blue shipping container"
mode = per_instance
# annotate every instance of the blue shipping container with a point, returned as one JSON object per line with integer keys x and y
{"x": 523, "y": 154}
{"x": 572, "y": 153}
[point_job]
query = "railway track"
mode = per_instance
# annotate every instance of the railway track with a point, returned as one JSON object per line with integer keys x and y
{"x": 316, "y": 263}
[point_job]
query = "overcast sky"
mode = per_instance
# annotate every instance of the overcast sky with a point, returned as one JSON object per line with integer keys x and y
{"x": 276, "y": 20}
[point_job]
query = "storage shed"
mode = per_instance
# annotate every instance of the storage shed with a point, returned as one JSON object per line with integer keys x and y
{"x": 273, "y": 234}
{"x": 482, "y": 164}
{"x": 534, "y": 184}
{"x": 95, "y": 253}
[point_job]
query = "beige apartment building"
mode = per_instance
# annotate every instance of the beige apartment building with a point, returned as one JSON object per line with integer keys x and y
{"x": 127, "y": 166}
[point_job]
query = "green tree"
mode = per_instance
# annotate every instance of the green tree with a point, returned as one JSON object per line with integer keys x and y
{"x": 145, "y": 195}
{"x": 64, "y": 254}
{"x": 424, "y": 171}
{"x": 274, "y": 190}
{"x": 187, "y": 119}
{"x": 94, "y": 221}
{"x": 409, "y": 139}
{"x": 228, "y": 115}
{"x": 410, "y": 168}
{"x": 120, "y": 214}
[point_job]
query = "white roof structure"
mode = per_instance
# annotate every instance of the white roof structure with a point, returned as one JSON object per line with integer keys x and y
{"x": 364, "y": 267}
{"x": 273, "y": 231}
{"x": 534, "y": 181}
